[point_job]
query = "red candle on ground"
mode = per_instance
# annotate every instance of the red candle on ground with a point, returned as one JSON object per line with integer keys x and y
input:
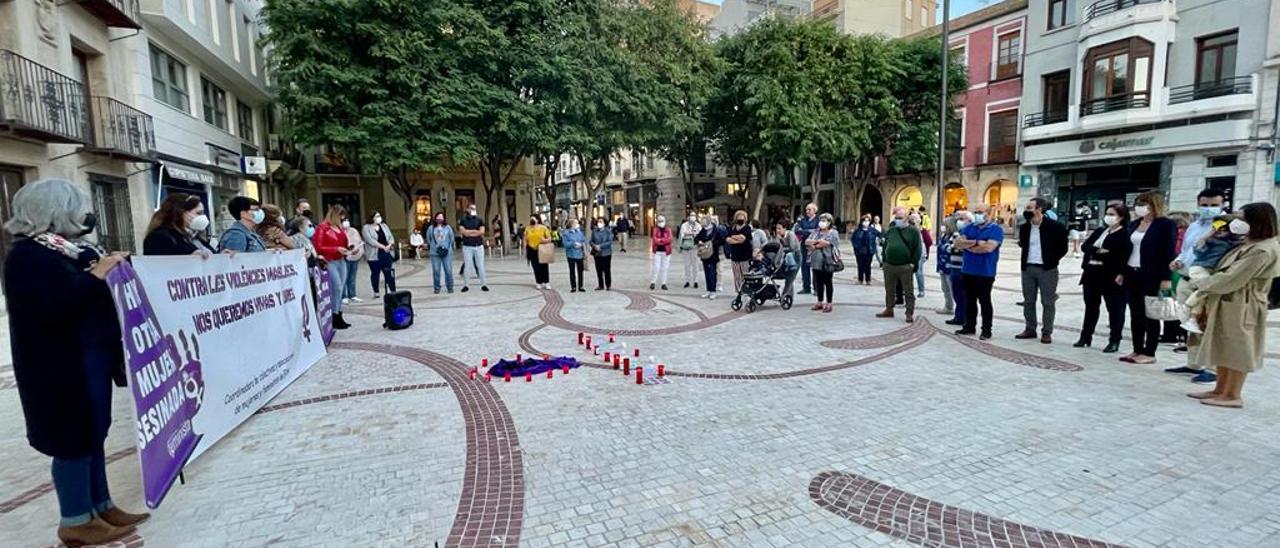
{"x": 528, "y": 377}
{"x": 637, "y": 353}
{"x": 611, "y": 337}
{"x": 565, "y": 368}
{"x": 662, "y": 371}
{"x": 550, "y": 373}
{"x": 507, "y": 377}
{"x": 626, "y": 367}
{"x": 484, "y": 362}
{"x": 581, "y": 335}
{"x": 608, "y": 355}
{"x": 519, "y": 358}
{"x": 639, "y": 375}
{"x": 472, "y": 373}
{"x": 488, "y": 377}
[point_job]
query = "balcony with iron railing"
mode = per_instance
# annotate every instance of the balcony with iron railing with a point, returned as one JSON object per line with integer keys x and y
{"x": 1104, "y": 7}
{"x": 114, "y": 13}
{"x": 1115, "y": 103}
{"x": 120, "y": 130}
{"x": 1045, "y": 118}
{"x": 40, "y": 103}
{"x": 1239, "y": 85}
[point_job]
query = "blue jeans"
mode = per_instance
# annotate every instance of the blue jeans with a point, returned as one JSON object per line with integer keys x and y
{"x": 957, "y": 294}
{"x": 81, "y": 485}
{"x": 337, "y": 282}
{"x": 352, "y": 267}
{"x": 924, "y": 261}
{"x": 709, "y": 269}
{"x": 438, "y": 264}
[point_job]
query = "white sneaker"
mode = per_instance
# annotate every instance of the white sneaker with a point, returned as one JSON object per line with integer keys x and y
{"x": 706, "y": 295}
{"x": 357, "y": 300}
{"x": 376, "y": 296}
{"x": 346, "y": 301}
{"x": 712, "y": 297}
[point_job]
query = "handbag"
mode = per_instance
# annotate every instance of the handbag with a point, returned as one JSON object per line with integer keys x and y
{"x": 1164, "y": 308}
{"x": 546, "y": 252}
{"x": 706, "y": 250}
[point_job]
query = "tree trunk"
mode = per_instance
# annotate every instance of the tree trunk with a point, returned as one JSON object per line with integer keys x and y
{"x": 762, "y": 178}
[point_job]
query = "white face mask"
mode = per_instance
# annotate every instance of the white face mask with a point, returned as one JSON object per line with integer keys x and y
{"x": 1238, "y": 227}
{"x": 1111, "y": 220}
{"x": 662, "y": 224}
{"x": 1141, "y": 210}
{"x": 823, "y": 225}
{"x": 599, "y": 226}
{"x": 961, "y": 224}
{"x": 377, "y": 219}
{"x": 346, "y": 223}
{"x": 199, "y": 223}
{"x": 693, "y": 220}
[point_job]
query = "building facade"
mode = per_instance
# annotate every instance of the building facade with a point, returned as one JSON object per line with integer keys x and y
{"x": 736, "y": 15}
{"x": 67, "y": 110}
{"x": 982, "y": 159}
{"x": 200, "y": 71}
{"x": 892, "y": 18}
{"x": 1124, "y": 97}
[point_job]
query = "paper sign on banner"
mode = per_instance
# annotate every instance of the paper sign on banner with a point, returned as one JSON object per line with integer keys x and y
{"x": 208, "y": 343}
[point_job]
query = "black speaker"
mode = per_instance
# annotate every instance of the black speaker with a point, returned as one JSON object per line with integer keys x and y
{"x": 397, "y": 310}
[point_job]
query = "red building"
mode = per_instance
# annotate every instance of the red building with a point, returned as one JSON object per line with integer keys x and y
{"x": 982, "y": 163}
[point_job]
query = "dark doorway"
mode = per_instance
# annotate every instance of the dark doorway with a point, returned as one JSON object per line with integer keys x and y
{"x": 1103, "y": 184}
{"x": 872, "y": 202}
{"x": 11, "y": 179}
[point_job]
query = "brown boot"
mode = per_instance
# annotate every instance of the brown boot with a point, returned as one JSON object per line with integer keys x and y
{"x": 886, "y": 313}
{"x": 120, "y": 518}
{"x": 96, "y": 531}
{"x": 911, "y": 317}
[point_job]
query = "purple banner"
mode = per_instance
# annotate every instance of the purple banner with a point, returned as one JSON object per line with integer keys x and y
{"x": 324, "y": 303}
{"x": 167, "y": 386}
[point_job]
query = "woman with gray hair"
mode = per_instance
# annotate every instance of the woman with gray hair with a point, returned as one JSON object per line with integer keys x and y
{"x": 824, "y": 259}
{"x": 66, "y": 352}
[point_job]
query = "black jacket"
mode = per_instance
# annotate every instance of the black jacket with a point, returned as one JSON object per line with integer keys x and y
{"x": 1053, "y": 242}
{"x": 1105, "y": 266}
{"x": 1159, "y": 247}
{"x": 167, "y": 241}
{"x": 66, "y": 344}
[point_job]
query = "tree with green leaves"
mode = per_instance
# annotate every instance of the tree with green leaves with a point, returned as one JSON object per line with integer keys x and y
{"x": 377, "y": 80}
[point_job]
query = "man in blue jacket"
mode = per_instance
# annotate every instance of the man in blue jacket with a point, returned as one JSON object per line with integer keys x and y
{"x": 805, "y": 225}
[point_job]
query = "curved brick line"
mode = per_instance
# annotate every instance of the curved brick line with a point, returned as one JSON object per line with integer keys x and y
{"x": 638, "y": 300}
{"x": 701, "y": 316}
{"x": 352, "y": 394}
{"x": 491, "y": 509}
{"x": 1013, "y": 356}
{"x": 928, "y": 522}
{"x": 921, "y": 337}
{"x": 550, "y": 314}
{"x": 882, "y": 340}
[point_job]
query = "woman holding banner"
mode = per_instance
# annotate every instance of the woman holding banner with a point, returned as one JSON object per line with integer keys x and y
{"x": 66, "y": 352}
{"x": 331, "y": 243}
{"x": 178, "y": 227}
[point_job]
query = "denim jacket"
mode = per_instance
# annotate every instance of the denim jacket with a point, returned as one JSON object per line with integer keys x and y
{"x": 240, "y": 239}
{"x": 435, "y": 243}
{"x": 570, "y": 237}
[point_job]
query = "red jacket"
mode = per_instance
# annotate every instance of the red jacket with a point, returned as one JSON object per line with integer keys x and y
{"x": 661, "y": 240}
{"x": 328, "y": 239}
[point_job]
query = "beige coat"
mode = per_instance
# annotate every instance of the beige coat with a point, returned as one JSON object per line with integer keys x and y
{"x": 1236, "y": 304}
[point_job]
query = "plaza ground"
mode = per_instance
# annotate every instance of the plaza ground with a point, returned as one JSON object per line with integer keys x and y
{"x": 776, "y": 428}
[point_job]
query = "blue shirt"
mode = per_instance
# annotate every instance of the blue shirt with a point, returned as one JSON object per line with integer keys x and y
{"x": 1195, "y": 232}
{"x": 983, "y": 264}
{"x": 240, "y": 239}
{"x": 805, "y": 226}
{"x": 571, "y": 236}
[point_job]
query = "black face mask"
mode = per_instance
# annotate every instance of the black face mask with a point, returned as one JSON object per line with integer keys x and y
{"x": 307, "y": 213}
{"x": 1029, "y": 215}
{"x": 90, "y": 222}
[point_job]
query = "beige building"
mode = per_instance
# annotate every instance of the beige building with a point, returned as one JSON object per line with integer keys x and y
{"x": 889, "y": 17}
{"x": 67, "y": 109}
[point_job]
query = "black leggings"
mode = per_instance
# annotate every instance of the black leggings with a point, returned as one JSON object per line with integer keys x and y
{"x": 1145, "y": 332}
{"x": 823, "y": 286}
{"x": 864, "y": 266}
{"x": 541, "y": 272}
{"x": 604, "y": 272}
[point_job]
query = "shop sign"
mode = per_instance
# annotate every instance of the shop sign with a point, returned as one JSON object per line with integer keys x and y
{"x": 253, "y": 165}
{"x": 223, "y": 158}
{"x": 1025, "y": 180}
{"x": 1115, "y": 143}
{"x": 193, "y": 175}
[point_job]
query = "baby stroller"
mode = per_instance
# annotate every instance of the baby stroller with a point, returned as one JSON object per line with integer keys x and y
{"x": 760, "y": 283}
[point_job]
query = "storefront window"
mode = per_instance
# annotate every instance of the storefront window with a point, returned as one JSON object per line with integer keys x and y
{"x": 954, "y": 197}
{"x": 909, "y": 197}
{"x": 421, "y": 210}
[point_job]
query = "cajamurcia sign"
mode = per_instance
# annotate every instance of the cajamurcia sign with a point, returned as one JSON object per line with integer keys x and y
{"x": 1088, "y": 145}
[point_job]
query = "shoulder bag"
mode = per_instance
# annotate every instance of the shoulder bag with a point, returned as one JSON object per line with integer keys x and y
{"x": 546, "y": 252}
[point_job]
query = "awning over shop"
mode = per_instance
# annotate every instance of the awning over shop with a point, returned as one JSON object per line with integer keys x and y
{"x": 189, "y": 174}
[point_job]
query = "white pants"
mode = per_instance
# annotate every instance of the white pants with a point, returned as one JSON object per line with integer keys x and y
{"x": 661, "y": 265}
{"x": 473, "y": 261}
{"x": 692, "y": 266}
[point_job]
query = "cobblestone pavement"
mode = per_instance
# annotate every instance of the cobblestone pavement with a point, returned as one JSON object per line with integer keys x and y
{"x": 774, "y": 428}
